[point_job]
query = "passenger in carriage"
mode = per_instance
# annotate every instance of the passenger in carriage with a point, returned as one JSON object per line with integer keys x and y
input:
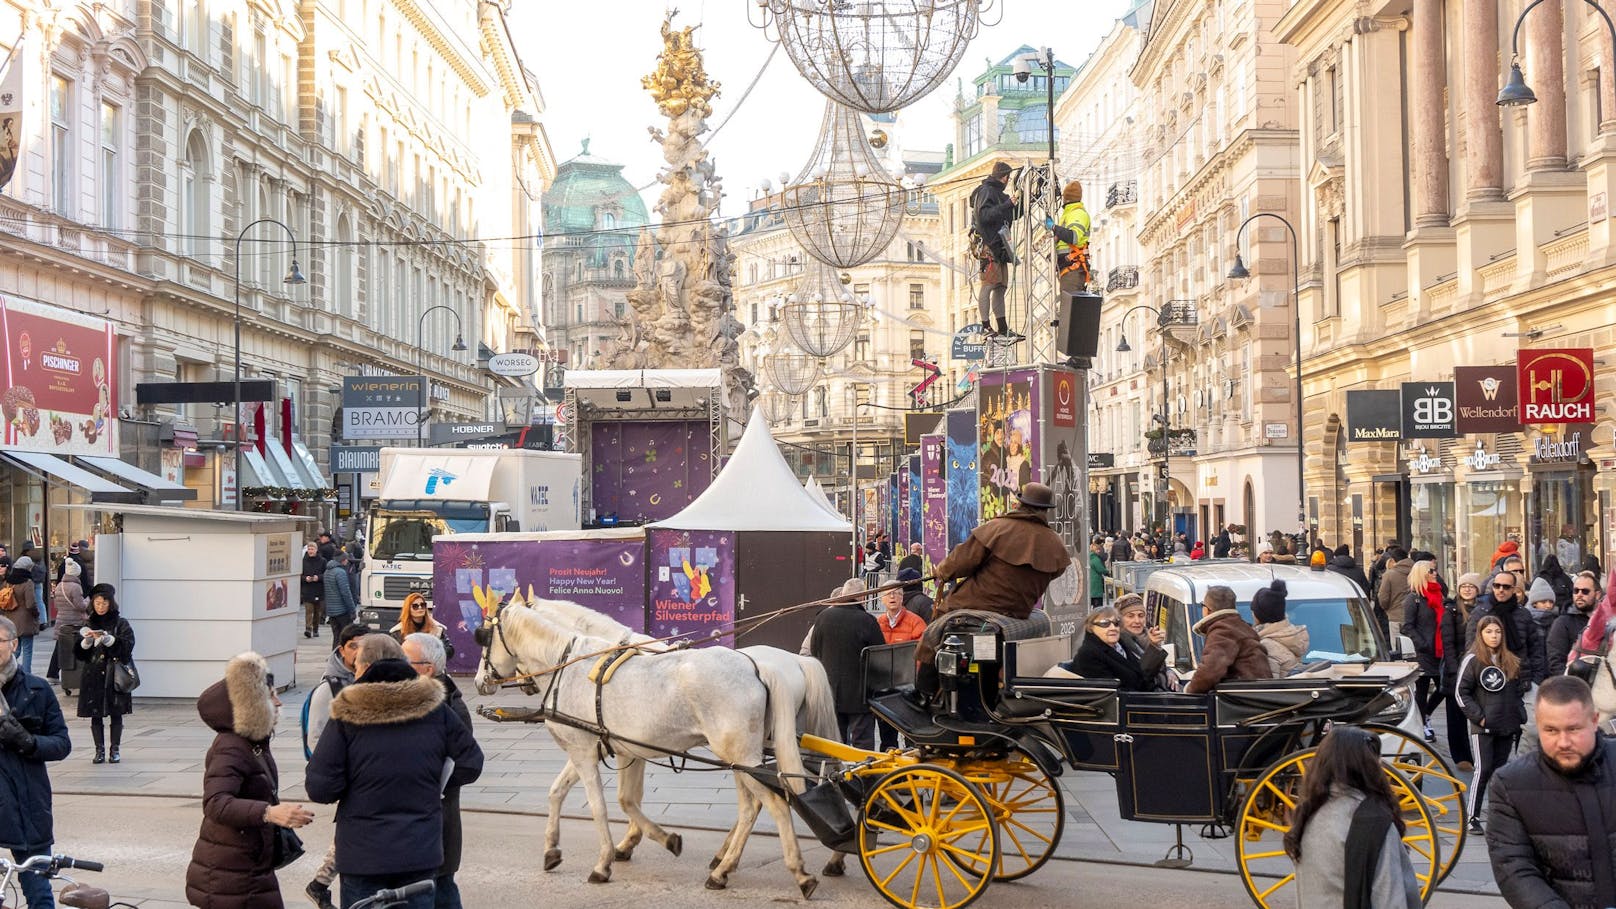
{"x": 1232, "y": 649}
{"x": 1103, "y": 656}
{"x": 1145, "y": 642}
{"x": 1346, "y": 834}
{"x": 1284, "y": 642}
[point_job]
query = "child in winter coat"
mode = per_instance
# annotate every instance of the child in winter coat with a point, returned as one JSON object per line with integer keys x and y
{"x": 1490, "y": 694}
{"x": 1285, "y": 643}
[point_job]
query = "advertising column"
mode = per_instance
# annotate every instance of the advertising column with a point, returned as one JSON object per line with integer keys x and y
{"x": 934, "y": 500}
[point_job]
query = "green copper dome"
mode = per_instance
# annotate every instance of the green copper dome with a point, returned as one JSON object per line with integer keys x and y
{"x": 590, "y": 193}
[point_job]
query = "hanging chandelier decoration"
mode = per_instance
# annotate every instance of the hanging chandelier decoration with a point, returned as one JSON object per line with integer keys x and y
{"x": 843, "y": 208}
{"x": 777, "y": 406}
{"x": 792, "y": 373}
{"x": 875, "y": 56}
{"x": 822, "y": 317}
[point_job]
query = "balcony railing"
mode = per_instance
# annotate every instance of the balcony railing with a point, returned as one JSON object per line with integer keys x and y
{"x": 1122, "y": 278}
{"x": 1125, "y": 192}
{"x": 1178, "y": 312}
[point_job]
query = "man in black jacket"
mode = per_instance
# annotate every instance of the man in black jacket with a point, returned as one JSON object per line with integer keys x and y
{"x": 1551, "y": 822}
{"x": 1522, "y": 636}
{"x": 838, "y": 639}
{"x": 992, "y": 210}
{"x": 382, "y": 760}
{"x": 1568, "y": 628}
{"x": 32, "y": 732}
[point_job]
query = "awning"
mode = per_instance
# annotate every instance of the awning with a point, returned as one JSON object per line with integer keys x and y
{"x": 258, "y": 472}
{"x": 50, "y": 467}
{"x": 304, "y": 459}
{"x": 451, "y": 478}
{"x": 157, "y": 488}
{"x": 282, "y": 464}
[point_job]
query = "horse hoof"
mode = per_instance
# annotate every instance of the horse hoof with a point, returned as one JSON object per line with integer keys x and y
{"x": 552, "y": 859}
{"x": 675, "y": 844}
{"x": 833, "y": 869}
{"x": 597, "y": 877}
{"x": 808, "y": 887}
{"x": 715, "y": 883}
{"x": 713, "y": 865}
{"x": 623, "y": 855}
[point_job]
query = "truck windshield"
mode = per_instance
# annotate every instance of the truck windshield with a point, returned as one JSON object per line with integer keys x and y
{"x": 407, "y": 537}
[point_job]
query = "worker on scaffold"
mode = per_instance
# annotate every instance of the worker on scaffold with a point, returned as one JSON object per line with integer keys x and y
{"x": 1071, "y": 232}
{"x": 992, "y": 211}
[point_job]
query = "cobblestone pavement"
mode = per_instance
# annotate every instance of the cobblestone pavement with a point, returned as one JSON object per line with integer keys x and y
{"x": 164, "y": 745}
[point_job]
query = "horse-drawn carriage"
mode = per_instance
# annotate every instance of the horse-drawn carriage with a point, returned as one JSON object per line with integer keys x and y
{"x": 974, "y": 799}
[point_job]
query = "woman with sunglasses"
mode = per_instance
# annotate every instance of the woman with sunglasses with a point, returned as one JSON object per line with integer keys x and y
{"x": 1346, "y": 834}
{"x": 416, "y": 618}
{"x": 1102, "y": 656}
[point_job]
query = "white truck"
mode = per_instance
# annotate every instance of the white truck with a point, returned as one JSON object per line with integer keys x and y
{"x": 427, "y": 493}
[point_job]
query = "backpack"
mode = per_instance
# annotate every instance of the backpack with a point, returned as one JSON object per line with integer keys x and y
{"x": 8, "y": 598}
{"x": 335, "y": 686}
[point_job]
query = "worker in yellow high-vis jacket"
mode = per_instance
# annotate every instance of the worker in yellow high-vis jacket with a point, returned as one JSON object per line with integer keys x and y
{"x": 1072, "y": 238}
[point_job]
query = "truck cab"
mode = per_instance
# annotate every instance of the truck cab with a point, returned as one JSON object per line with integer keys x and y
{"x": 430, "y": 493}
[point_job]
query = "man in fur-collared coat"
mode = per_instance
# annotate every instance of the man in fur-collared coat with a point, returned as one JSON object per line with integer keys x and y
{"x": 383, "y": 760}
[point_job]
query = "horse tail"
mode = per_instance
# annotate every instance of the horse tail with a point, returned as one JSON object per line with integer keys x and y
{"x": 781, "y": 720}
{"x": 818, "y": 700}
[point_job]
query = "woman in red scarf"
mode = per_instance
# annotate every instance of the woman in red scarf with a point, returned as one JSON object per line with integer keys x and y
{"x": 1432, "y": 623}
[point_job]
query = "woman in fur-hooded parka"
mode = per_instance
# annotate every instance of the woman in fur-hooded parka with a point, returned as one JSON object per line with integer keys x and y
{"x": 232, "y": 865}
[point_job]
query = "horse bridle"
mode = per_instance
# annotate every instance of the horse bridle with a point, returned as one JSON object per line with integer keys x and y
{"x": 485, "y": 635}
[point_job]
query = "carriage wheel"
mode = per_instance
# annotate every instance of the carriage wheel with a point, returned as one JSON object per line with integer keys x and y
{"x": 912, "y": 820}
{"x": 1436, "y": 781}
{"x": 1265, "y": 818}
{"x": 1029, "y": 812}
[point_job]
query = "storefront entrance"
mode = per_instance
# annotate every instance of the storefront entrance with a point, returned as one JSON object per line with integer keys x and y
{"x": 1564, "y": 516}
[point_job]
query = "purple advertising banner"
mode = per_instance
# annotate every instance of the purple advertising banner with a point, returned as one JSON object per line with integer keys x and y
{"x": 607, "y": 576}
{"x": 934, "y": 499}
{"x": 1007, "y": 436}
{"x": 647, "y": 470}
{"x": 902, "y": 535}
{"x": 891, "y": 526}
{"x": 916, "y": 500}
{"x": 692, "y": 581}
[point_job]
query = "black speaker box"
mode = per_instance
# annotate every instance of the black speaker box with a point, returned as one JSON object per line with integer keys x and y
{"x": 1078, "y": 334}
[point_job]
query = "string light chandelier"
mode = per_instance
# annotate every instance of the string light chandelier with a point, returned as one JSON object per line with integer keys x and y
{"x": 843, "y": 208}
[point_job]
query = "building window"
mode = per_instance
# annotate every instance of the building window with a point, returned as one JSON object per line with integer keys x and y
{"x": 194, "y": 196}
{"x": 342, "y": 296}
{"x": 917, "y": 345}
{"x": 861, "y": 347}
{"x": 917, "y": 296}
{"x": 61, "y": 106}
{"x": 111, "y": 179}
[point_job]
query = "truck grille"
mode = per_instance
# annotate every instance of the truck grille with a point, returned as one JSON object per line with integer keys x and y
{"x": 397, "y": 588}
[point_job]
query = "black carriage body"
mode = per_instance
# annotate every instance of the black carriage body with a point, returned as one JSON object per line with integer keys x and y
{"x": 1176, "y": 758}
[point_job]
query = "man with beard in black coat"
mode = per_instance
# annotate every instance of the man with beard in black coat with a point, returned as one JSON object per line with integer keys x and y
{"x": 1551, "y": 817}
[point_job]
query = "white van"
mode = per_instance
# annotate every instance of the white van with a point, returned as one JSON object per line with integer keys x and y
{"x": 1339, "y": 620}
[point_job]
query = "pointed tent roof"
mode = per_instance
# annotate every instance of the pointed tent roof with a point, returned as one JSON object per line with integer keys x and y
{"x": 818, "y": 493}
{"x": 756, "y": 490}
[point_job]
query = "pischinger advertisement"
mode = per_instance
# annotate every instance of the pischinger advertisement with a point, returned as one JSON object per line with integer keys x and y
{"x": 61, "y": 380}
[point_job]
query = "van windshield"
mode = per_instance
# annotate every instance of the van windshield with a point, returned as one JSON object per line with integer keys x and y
{"x": 1341, "y": 631}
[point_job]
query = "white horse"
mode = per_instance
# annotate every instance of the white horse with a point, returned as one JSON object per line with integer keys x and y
{"x": 664, "y": 700}
{"x": 803, "y": 676}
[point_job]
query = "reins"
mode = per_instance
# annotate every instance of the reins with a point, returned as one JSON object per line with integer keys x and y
{"x": 680, "y": 641}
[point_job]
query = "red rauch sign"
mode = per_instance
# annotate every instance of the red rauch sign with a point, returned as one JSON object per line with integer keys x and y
{"x": 1556, "y": 386}
{"x": 60, "y": 371}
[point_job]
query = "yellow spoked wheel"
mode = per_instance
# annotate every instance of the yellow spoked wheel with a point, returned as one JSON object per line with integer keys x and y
{"x": 1265, "y": 818}
{"x": 1436, "y": 781}
{"x": 1029, "y": 812}
{"x": 929, "y": 838}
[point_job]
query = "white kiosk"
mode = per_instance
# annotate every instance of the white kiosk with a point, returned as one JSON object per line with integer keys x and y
{"x": 200, "y": 587}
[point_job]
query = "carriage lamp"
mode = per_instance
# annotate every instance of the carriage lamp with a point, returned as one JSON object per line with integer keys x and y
{"x": 953, "y": 660}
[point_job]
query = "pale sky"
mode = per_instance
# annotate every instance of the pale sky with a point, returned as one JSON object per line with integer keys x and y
{"x": 589, "y": 56}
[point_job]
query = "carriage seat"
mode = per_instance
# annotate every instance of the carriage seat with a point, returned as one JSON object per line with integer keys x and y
{"x": 1009, "y": 628}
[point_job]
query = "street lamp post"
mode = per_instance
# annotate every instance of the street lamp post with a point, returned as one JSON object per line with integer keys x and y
{"x": 1166, "y": 411}
{"x": 1238, "y": 271}
{"x": 420, "y": 336}
{"x": 1516, "y": 93}
{"x": 294, "y": 276}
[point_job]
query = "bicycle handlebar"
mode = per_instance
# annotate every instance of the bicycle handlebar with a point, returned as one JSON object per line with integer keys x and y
{"x": 52, "y": 862}
{"x": 392, "y": 897}
{"x": 80, "y": 864}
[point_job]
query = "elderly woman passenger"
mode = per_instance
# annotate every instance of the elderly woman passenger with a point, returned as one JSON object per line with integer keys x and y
{"x": 1145, "y": 642}
{"x": 1103, "y": 656}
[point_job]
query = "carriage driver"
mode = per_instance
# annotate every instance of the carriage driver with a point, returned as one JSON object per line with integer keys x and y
{"x": 1006, "y": 563}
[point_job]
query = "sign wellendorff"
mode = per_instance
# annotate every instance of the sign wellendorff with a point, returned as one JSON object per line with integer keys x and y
{"x": 1374, "y": 416}
{"x": 1487, "y": 399}
{"x": 1556, "y": 386}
